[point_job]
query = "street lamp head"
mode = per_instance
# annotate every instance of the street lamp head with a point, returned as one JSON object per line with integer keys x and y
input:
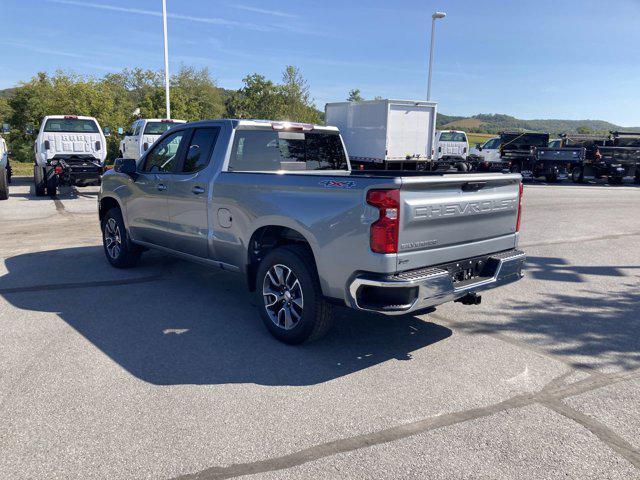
{"x": 438, "y": 15}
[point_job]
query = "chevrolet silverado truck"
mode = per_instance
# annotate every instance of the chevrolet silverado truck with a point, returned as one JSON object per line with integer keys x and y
{"x": 69, "y": 150}
{"x": 278, "y": 203}
{"x": 142, "y": 134}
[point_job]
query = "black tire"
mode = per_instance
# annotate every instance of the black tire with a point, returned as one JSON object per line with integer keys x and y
{"x": 4, "y": 184}
{"x": 637, "y": 179}
{"x": 315, "y": 316}
{"x": 577, "y": 175}
{"x": 616, "y": 180}
{"x": 38, "y": 180}
{"x": 127, "y": 254}
{"x": 462, "y": 167}
{"x": 52, "y": 186}
{"x": 516, "y": 169}
{"x": 552, "y": 178}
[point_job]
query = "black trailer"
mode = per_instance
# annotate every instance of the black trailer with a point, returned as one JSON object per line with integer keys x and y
{"x": 529, "y": 153}
{"x": 613, "y": 157}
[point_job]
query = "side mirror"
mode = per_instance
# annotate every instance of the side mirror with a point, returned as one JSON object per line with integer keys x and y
{"x": 9, "y": 153}
{"x": 29, "y": 130}
{"x": 6, "y": 128}
{"x": 120, "y": 130}
{"x": 125, "y": 165}
{"x": 479, "y": 146}
{"x": 107, "y": 132}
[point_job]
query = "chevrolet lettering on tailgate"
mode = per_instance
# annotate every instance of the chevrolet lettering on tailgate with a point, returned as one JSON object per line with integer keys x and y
{"x": 463, "y": 209}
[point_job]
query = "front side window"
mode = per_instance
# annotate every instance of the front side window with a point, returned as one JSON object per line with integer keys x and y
{"x": 70, "y": 125}
{"x": 270, "y": 151}
{"x": 200, "y": 149}
{"x": 157, "y": 128}
{"x": 136, "y": 128}
{"x": 163, "y": 156}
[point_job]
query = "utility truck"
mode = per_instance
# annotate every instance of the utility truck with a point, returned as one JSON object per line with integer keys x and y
{"x": 69, "y": 150}
{"x": 386, "y": 134}
{"x": 142, "y": 134}
{"x": 278, "y": 203}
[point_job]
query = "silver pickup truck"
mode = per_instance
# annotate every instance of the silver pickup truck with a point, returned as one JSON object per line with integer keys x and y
{"x": 278, "y": 203}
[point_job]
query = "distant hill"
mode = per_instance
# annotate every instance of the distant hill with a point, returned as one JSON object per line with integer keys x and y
{"x": 496, "y": 123}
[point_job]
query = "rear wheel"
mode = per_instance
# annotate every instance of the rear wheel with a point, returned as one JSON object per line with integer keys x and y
{"x": 52, "y": 186}
{"x": 577, "y": 175}
{"x": 4, "y": 184}
{"x": 291, "y": 303}
{"x": 552, "y": 178}
{"x": 637, "y": 179}
{"x": 616, "y": 180}
{"x": 38, "y": 180}
{"x": 118, "y": 248}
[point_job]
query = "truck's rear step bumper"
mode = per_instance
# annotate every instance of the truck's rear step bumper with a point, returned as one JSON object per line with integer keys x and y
{"x": 417, "y": 290}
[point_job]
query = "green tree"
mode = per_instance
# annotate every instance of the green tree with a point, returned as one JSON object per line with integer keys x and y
{"x": 258, "y": 98}
{"x": 355, "y": 96}
{"x": 583, "y": 130}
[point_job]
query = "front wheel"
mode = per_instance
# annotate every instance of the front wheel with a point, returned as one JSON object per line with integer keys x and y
{"x": 120, "y": 251}
{"x": 4, "y": 184}
{"x": 292, "y": 306}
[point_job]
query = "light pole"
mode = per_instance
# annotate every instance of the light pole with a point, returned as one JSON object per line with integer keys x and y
{"x": 434, "y": 17}
{"x": 166, "y": 58}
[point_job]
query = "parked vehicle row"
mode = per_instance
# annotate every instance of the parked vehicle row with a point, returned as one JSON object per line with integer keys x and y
{"x": 279, "y": 203}
{"x": 614, "y": 157}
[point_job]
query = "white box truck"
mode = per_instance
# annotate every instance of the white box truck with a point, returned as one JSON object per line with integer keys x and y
{"x": 386, "y": 134}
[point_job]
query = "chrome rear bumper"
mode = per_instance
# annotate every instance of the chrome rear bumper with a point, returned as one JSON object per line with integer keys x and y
{"x": 428, "y": 287}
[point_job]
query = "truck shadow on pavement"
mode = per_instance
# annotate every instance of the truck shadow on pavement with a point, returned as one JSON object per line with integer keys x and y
{"x": 593, "y": 327}
{"x": 170, "y": 322}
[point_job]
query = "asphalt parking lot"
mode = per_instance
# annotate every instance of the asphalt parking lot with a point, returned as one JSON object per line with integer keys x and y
{"x": 166, "y": 372}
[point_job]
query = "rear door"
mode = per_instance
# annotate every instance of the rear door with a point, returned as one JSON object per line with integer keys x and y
{"x": 190, "y": 190}
{"x": 453, "y": 217}
{"x": 147, "y": 208}
{"x": 409, "y": 127}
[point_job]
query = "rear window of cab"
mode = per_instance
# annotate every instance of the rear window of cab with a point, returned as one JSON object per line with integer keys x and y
{"x": 157, "y": 128}
{"x": 272, "y": 151}
{"x": 70, "y": 125}
{"x": 453, "y": 137}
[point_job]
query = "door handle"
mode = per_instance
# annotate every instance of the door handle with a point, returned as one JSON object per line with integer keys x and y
{"x": 161, "y": 186}
{"x": 197, "y": 190}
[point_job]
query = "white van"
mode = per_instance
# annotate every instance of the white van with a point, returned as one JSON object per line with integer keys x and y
{"x": 451, "y": 145}
{"x": 143, "y": 134}
{"x": 69, "y": 150}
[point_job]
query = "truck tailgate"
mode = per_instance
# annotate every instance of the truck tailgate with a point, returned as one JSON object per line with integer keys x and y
{"x": 454, "y": 217}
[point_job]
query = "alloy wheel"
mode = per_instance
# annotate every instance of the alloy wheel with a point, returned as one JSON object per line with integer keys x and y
{"x": 283, "y": 297}
{"x": 112, "y": 238}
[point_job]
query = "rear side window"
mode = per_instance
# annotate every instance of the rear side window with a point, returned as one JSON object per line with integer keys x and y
{"x": 70, "y": 125}
{"x": 200, "y": 149}
{"x": 453, "y": 137}
{"x": 157, "y": 128}
{"x": 271, "y": 151}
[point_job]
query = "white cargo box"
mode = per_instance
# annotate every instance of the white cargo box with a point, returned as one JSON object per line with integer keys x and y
{"x": 381, "y": 131}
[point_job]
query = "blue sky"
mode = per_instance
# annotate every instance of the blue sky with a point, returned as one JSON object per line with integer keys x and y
{"x": 573, "y": 59}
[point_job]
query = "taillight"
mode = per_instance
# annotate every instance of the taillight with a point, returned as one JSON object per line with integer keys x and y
{"x": 47, "y": 145}
{"x": 145, "y": 146}
{"x": 519, "y": 207}
{"x": 58, "y": 170}
{"x": 384, "y": 231}
{"x": 97, "y": 146}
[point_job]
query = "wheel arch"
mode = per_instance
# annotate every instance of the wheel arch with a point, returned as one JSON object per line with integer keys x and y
{"x": 266, "y": 238}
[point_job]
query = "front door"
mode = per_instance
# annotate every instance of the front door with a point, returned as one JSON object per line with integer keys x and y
{"x": 147, "y": 209}
{"x": 190, "y": 194}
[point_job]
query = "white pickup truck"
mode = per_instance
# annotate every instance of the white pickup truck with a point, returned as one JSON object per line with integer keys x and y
{"x": 5, "y": 170}
{"x": 69, "y": 150}
{"x": 143, "y": 134}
